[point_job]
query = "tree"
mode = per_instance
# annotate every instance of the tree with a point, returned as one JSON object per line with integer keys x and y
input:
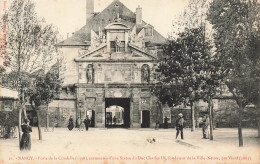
{"x": 44, "y": 89}
{"x": 2, "y": 74}
{"x": 236, "y": 24}
{"x": 182, "y": 69}
{"x": 210, "y": 86}
{"x": 194, "y": 16}
{"x": 29, "y": 45}
{"x": 52, "y": 88}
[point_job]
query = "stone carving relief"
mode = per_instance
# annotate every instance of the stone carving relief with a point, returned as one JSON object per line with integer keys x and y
{"x": 90, "y": 103}
{"x": 117, "y": 73}
{"x": 145, "y": 103}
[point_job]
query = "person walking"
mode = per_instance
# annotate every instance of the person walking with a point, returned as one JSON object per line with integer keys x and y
{"x": 78, "y": 122}
{"x": 206, "y": 127}
{"x": 25, "y": 143}
{"x": 70, "y": 124}
{"x": 86, "y": 122}
{"x": 179, "y": 125}
{"x": 165, "y": 125}
{"x": 114, "y": 120}
{"x": 81, "y": 126}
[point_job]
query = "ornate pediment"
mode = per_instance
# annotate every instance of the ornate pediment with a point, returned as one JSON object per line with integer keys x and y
{"x": 100, "y": 53}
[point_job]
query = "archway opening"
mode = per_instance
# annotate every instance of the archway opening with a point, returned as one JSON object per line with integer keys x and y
{"x": 91, "y": 116}
{"x": 117, "y": 112}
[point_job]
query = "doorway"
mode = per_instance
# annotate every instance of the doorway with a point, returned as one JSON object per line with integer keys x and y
{"x": 145, "y": 122}
{"x": 117, "y": 112}
{"x": 91, "y": 116}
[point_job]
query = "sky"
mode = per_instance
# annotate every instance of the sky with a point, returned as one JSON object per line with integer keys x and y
{"x": 69, "y": 15}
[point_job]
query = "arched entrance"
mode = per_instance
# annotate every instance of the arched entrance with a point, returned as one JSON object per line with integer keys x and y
{"x": 117, "y": 112}
{"x": 91, "y": 116}
{"x": 145, "y": 122}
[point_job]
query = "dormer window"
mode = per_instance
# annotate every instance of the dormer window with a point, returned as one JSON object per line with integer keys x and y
{"x": 117, "y": 37}
{"x": 148, "y": 31}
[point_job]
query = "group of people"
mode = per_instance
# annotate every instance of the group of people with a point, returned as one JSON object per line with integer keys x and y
{"x": 25, "y": 143}
{"x": 79, "y": 123}
{"x": 109, "y": 119}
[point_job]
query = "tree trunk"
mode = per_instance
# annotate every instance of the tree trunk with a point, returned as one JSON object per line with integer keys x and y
{"x": 47, "y": 117}
{"x": 240, "y": 137}
{"x": 258, "y": 118}
{"x": 192, "y": 118}
{"x": 212, "y": 115}
{"x": 19, "y": 122}
{"x": 39, "y": 124}
{"x": 24, "y": 112}
{"x": 210, "y": 119}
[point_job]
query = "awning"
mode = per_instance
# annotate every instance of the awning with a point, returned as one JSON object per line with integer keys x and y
{"x": 7, "y": 93}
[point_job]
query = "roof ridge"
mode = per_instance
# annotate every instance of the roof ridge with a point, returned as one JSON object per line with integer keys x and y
{"x": 104, "y": 18}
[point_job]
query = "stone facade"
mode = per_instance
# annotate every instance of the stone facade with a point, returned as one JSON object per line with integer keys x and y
{"x": 111, "y": 61}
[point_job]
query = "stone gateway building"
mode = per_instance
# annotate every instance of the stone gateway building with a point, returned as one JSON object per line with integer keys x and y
{"x": 108, "y": 67}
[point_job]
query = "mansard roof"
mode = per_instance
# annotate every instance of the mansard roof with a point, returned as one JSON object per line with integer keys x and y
{"x": 104, "y": 18}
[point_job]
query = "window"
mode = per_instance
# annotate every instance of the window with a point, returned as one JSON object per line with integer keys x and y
{"x": 148, "y": 31}
{"x": 117, "y": 48}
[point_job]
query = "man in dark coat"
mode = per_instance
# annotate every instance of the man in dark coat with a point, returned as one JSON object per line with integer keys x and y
{"x": 179, "y": 125}
{"x": 114, "y": 120}
{"x": 70, "y": 124}
{"x": 25, "y": 143}
{"x": 165, "y": 125}
{"x": 86, "y": 122}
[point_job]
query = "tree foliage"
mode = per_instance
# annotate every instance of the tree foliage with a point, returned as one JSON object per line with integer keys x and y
{"x": 44, "y": 89}
{"x": 236, "y": 24}
{"x": 29, "y": 40}
{"x": 30, "y": 46}
{"x": 188, "y": 70}
{"x": 237, "y": 34}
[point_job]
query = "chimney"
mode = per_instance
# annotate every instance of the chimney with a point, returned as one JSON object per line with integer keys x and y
{"x": 139, "y": 15}
{"x": 90, "y": 8}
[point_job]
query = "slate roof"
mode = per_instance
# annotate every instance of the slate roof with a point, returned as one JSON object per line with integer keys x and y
{"x": 104, "y": 18}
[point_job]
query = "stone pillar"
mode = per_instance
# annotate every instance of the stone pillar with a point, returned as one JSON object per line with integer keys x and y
{"x": 100, "y": 109}
{"x": 135, "y": 109}
{"x": 126, "y": 40}
{"x": 108, "y": 41}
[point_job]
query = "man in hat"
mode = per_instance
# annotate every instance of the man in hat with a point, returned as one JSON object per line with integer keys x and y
{"x": 179, "y": 125}
{"x": 86, "y": 122}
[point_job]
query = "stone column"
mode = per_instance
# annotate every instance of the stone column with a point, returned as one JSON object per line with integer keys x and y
{"x": 126, "y": 40}
{"x": 100, "y": 109}
{"x": 135, "y": 109}
{"x": 108, "y": 41}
